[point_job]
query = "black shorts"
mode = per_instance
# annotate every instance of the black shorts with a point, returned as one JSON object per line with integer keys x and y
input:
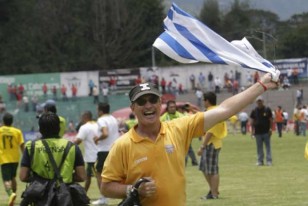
{"x": 101, "y": 157}
{"x": 90, "y": 169}
{"x": 9, "y": 171}
{"x": 209, "y": 160}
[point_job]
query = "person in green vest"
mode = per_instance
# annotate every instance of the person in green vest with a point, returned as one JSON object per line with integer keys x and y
{"x": 38, "y": 163}
{"x": 51, "y": 107}
{"x": 171, "y": 112}
{"x": 131, "y": 122}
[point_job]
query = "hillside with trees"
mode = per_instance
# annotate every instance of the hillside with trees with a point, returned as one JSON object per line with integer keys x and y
{"x": 58, "y": 36}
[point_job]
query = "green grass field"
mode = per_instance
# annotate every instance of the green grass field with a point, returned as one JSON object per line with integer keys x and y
{"x": 241, "y": 181}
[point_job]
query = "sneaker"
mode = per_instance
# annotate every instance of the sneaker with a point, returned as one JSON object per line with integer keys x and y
{"x": 100, "y": 201}
{"x": 269, "y": 164}
{"x": 259, "y": 164}
{"x": 195, "y": 164}
{"x": 12, "y": 199}
{"x": 209, "y": 196}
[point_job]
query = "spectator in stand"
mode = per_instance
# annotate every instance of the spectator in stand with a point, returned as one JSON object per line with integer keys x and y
{"x": 181, "y": 91}
{"x": 201, "y": 79}
{"x": 25, "y": 100}
{"x": 105, "y": 91}
{"x": 138, "y": 80}
{"x": 163, "y": 85}
{"x": 15, "y": 92}
{"x": 91, "y": 86}
{"x": 34, "y": 102}
{"x": 192, "y": 80}
{"x": 226, "y": 79}
{"x": 19, "y": 99}
{"x": 95, "y": 95}
{"x": 218, "y": 85}
{"x": 210, "y": 79}
{"x": 63, "y": 92}
{"x": 45, "y": 89}
{"x": 169, "y": 87}
{"x": 235, "y": 86}
{"x": 74, "y": 92}
{"x": 279, "y": 120}
{"x": 285, "y": 83}
{"x": 54, "y": 92}
{"x": 11, "y": 141}
{"x": 113, "y": 83}
{"x": 21, "y": 89}
{"x": 295, "y": 75}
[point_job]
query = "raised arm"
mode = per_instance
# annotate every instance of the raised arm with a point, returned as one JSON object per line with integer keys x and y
{"x": 236, "y": 103}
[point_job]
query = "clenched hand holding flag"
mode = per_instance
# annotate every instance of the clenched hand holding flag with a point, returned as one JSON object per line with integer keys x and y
{"x": 187, "y": 40}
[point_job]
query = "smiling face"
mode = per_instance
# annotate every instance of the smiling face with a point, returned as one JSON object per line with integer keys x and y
{"x": 147, "y": 109}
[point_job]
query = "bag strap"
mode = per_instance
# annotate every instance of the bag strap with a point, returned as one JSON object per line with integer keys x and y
{"x": 32, "y": 151}
{"x": 52, "y": 160}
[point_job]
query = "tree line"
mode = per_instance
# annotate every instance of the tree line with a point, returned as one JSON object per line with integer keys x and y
{"x": 82, "y": 35}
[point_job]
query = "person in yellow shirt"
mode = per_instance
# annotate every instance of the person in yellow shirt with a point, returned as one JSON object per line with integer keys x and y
{"x": 233, "y": 124}
{"x": 11, "y": 141}
{"x": 210, "y": 148}
{"x": 156, "y": 150}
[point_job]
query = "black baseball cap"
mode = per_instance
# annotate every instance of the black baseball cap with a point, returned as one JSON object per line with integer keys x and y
{"x": 142, "y": 89}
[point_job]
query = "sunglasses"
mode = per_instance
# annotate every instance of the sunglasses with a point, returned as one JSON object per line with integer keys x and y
{"x": 142, "y": 101}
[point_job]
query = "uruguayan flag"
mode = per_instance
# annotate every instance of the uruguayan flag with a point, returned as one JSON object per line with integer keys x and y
{"x": 187, "y": 40}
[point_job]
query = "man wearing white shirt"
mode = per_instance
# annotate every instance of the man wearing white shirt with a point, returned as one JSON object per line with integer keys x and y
{"x": 243, "y": 117}
{"x": 108, "y": 132}
{"x": 86, "y": 134}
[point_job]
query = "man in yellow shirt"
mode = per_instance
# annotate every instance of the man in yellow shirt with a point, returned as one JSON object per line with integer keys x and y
{"x": 11, "y": 141}
{"x": 210, "y": 148}
{"x": 156, "y": 150}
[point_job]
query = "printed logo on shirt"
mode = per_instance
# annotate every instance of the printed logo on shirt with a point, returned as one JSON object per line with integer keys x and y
{"x": 138, "y": 161}
{"x": 169, "y": 148}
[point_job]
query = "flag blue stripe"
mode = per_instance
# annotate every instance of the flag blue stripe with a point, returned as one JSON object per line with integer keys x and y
{"x": 211, "y": 55}
{"x": 178, "y": 48}
{"x": 170, "y": 14}
{"x": 180, "y": 11}
{"x": 267, "y": 64}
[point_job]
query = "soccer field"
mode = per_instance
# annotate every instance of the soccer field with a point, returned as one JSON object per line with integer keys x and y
{"x": 242, "y": 183}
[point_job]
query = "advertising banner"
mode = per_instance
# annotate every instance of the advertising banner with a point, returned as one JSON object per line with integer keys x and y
{"x": 286, "y": 66}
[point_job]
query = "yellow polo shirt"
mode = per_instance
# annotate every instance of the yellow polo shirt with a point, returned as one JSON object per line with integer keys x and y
{"x": 219, "y": 131}
{"x": 132, "y": 157}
